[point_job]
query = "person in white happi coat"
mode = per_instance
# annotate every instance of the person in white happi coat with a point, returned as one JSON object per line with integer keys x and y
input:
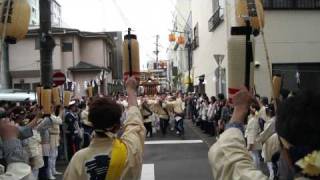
{"x": 300, "y": 145}
{"x": 54, "y": 132}
{"x": 252, "y": 133}
{"x": 12, "y": 152}
{"x": 269, "y": 140}
{"x": 108, "y": 156}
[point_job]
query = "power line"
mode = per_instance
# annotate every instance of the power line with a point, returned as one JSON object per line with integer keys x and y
{"x": 123, "y": 16}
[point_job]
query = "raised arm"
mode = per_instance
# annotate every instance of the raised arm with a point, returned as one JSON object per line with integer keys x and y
{"x": 228, "y": 157}
{"x": 14, "y": 154}
{"x": 134, "y": 133}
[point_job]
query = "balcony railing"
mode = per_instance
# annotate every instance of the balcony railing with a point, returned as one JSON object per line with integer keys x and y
{"x": 291, "y": 4}
{"x": 215, "y": 19}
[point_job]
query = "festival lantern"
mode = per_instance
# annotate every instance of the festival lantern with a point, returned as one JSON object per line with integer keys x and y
{"x": 276, "y": 86}
{"x": 55, "y": 96}
{"x": 66, "y": 98}
{"x": 131, "y": 59}
{"x": 243, "y": 10}
{"x": 180, "y": 40}
{"x": 17, "y": 20}
{"x": 90, "y": 91}
{"x": 46, "y": 101}
{"x": 172, "y": 37}
{"x": 236, "y": 65}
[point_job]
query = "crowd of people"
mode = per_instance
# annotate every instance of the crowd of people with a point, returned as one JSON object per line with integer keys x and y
{"x": 103, "y": 137}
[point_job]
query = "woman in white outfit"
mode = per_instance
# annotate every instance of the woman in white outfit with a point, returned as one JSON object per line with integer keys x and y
{"x": 253, "y": 130}
{"x": 54, "y": 131}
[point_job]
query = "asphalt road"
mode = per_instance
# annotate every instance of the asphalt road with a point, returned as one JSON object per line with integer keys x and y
{"x": 181, "y": 160}
{"x": 173, "y": 157}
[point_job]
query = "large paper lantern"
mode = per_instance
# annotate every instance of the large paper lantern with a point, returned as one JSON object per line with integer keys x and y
{"x": 56, "y": 96}
{"x": 90, "y": 91}
{"x": 276, "y": 81}
{"x": 46, "y": 101}
{"x": 237, "y": 65}
{"x": 256, "y": 14}
{"x": 17, "y": 20}
{"x": 135, "y": 59}
{"x": 66, "y": 98}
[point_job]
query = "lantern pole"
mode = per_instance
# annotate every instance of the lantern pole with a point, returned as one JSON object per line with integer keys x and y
{"x": 47, "y": 44}
{"x": 189, "y": 63}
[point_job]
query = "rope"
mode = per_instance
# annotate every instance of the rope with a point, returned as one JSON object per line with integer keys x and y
{"x": 4, "y": 29}
{"x": 268, "y": 62}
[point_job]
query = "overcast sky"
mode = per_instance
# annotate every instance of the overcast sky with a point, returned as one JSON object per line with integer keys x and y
{"x": 147, "y": 17}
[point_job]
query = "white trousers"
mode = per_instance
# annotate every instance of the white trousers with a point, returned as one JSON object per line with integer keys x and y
{"x": 52, "y": 160}
{"x": 271, "y": 173}
{"x": 256, "y": 158}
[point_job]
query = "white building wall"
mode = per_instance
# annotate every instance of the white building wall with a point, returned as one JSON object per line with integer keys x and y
{"x": 56, "y": 19}
{"x": 34, "y": 17}
{"x": 292, "y": 37}
{"x": 24, "y": 56}
{"x": 56, "y": 56}
{"x": 210, "y": 43}
{"x": 92, "y": 51}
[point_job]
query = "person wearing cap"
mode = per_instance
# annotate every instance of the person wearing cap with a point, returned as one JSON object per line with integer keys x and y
{"x": 109, "y": 156}
{"x": 73, "y": 135}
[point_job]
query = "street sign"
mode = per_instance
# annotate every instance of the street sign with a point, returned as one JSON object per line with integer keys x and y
{"x": 58, "y": 78}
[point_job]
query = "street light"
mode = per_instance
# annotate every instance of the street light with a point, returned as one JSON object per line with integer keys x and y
{"x": 189, "y": 48}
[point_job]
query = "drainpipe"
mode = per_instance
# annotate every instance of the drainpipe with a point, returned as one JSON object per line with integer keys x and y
{"x": 5, "y": 74}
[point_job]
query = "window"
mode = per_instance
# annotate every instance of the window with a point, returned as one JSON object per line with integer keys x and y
{"x": 109, "y": 59}
{"x": 195, "y": 42}
{"x": 218, "y": 14}
{"x": 291, "y": 4}
{"x": 67, "y": 47}
{"x": 215, "y": 5}
{"x": 23, "y": 86}
{"x": 4, "y": 11}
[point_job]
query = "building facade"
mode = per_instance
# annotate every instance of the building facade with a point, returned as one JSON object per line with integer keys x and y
{"x": 209, "y": 39}
{"x": 56, "y": 20}
{"x": 291, "y": 33}
{"x": 83, "y": 56}
{"x": 178, "y": 53}
{"x": 35, "y": 13}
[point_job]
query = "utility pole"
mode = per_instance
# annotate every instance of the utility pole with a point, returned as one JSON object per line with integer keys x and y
{"x": 156, "y": 52}
{"x": 47, "y": 44}
{"x": 189, "y": 45}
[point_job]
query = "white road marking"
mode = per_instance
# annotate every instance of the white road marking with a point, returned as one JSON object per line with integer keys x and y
{"x": 147, "y": 172}
{"x": 174, "y": 142}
